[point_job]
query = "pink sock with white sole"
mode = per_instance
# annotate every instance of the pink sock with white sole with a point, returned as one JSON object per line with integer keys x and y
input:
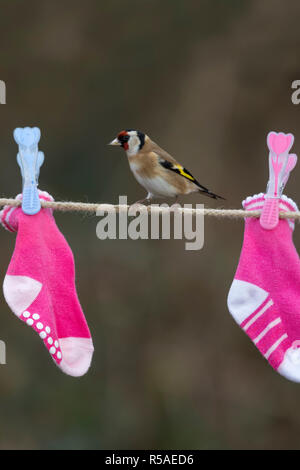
{"x": 39, "y": 287}
{"x": 264, "y": 297}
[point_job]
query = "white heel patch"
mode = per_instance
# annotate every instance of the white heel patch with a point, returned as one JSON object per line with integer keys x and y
{"x": 244, "y": 298}
{"x": 20, "y": 292}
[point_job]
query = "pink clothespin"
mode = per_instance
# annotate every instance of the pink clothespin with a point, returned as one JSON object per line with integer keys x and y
{"x": 280, "y": 166}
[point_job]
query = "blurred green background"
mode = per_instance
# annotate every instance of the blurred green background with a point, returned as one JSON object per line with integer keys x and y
{"x": 207, "y": 80}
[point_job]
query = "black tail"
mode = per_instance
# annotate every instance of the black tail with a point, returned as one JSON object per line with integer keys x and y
{"x": 211, "y": 195}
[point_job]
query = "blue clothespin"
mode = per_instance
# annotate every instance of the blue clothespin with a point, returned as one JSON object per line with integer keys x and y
{"x": 30, "y": 161}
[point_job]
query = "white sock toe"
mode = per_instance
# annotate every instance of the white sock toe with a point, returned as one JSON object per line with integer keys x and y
{"x": 77, "y": 355}
{"x": 290, "y": 366}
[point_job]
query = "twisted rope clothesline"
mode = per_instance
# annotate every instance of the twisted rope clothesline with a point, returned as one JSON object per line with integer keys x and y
{"x": 93, "y": 208}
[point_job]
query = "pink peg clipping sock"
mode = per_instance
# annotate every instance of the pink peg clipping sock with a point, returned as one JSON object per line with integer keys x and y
{"x": 264, "y": 298}
{"x": 39, "y": 287}
{"x": 280, "y": 166}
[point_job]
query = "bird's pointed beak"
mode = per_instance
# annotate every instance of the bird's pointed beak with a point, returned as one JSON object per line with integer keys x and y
{"x": 114, "y": 142}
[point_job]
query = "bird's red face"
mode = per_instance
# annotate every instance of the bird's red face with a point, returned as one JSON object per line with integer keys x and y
{"x": 131, "y": 141}
{"x": 123, "y": 138}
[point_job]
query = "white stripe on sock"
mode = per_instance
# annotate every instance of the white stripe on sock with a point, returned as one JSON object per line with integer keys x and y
{"x": 8, "y": 217}
{"x": 253, "y": 319}
{"x": 265, "y": 331}
{"x": 275, "y": 346}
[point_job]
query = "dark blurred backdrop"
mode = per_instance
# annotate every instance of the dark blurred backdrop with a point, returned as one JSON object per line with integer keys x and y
{"x": 207, "y": 80}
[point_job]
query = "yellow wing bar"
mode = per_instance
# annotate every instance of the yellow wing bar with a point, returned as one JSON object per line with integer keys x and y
{"x": 182, "y": 171}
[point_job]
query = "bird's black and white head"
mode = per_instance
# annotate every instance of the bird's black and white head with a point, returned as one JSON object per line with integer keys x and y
{"x": 131, "y": 141}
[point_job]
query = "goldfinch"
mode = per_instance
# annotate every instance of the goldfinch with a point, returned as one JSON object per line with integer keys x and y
{"x": 157, "y": 171}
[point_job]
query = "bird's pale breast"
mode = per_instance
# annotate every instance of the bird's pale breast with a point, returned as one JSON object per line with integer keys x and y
{"x": 156, "y": 179}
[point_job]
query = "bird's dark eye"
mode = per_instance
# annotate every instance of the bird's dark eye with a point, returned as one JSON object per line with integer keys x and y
{"x": 123, "y": 138}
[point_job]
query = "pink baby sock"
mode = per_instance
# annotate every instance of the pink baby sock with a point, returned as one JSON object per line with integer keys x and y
{"x": 40, "y": 288}
{"x": 264, "y": 297}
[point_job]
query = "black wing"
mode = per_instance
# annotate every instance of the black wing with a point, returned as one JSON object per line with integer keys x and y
{"x": 180, "y": 170}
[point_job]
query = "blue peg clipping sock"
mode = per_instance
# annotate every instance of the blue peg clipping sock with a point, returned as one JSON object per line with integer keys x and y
{"x": 30, "y": 161}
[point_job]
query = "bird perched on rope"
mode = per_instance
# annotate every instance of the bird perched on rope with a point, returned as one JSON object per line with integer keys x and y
{"x": 156, "y": 170}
